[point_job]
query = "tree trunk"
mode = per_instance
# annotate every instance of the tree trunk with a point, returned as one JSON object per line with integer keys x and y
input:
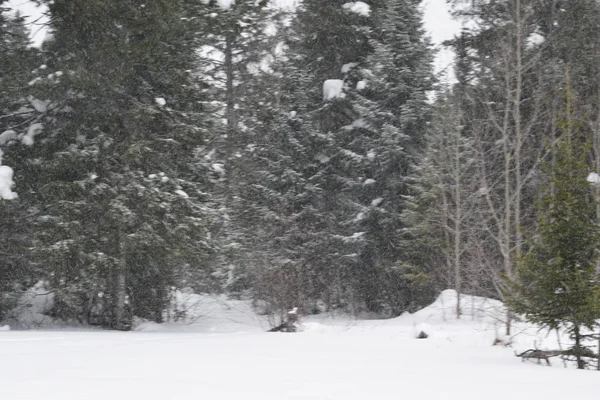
{"x": 598, "y": 364}
{"x": 511, "y": 272}
{"x": 578, "y": 349}
{"x": 119, "y": 321}
{"x": 458, "y": 221}
{"x": 119, "y": 313}
{"x": 231, "y": 114}
{"x": 160, "y": 303}
{"x": 518, "y": 131}
{"x": 508, "y": 266}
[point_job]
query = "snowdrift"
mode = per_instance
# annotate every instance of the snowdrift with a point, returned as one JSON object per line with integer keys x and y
{"x": 191, "y": 312}
{"x": 473, "y": 308}
{"x": 32, "y": 308}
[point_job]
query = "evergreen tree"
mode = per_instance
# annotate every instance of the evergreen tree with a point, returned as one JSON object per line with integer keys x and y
{"x": 327, "y": 36}
{"x": 558, "y": 286}
{"x": 292, "y": 250}
{"x": 234, "y": 42}
{"x": 237, "y": 41}
{"x": 121, "y": 180}
{"x": 392, "y": 113}
{"x": 347, "y": 131}
{"x": 18, "y": 116}
{"x": 294, "y": 184}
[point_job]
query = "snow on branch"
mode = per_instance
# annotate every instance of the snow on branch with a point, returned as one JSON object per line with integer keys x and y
{"x": 358, "y": 7}
{"x": 332, "y": 89}
{"x": 6, "y": 182}
{"x": 593, "y": 177}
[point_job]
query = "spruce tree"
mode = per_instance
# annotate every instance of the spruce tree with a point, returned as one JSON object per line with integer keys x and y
{"x": 289, "y": 241}
{"x": 329, "y": 35}
{"x": 236, "y": 41}
{"x": 122, "y": 182}
{"x": 380, "y": 147}
{"x": 558, "y": 285}
{"x": 296, "y": 184}
{"x": 347, "y": 130}
{"x": 19, "y": 114}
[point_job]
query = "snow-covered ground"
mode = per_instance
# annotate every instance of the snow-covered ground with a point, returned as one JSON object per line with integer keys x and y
{"x": 227, "y": 355}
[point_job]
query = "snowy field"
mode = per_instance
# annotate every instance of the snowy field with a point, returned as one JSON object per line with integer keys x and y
{"x": 227, "y": 355}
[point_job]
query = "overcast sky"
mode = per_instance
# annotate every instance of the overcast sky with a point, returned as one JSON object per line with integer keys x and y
{"x": 437, "y": 22}
{"x": 440, "y": 27}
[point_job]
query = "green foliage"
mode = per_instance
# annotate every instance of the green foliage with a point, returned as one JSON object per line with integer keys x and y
{"x": 558, "y": 284}
{"x": 120, "y": 178}
{"x": 380, "y": 148}
{"x": 16, "y": 115}
{"x": 328, "y": 177}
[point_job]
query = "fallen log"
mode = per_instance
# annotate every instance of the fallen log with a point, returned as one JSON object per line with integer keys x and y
{"x": 547, "y": 354}
{"x": 539, "y": 355}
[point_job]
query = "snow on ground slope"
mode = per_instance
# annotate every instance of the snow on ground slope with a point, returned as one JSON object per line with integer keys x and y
{"x": 330, "y": 359}
{"x": 209, "y": 314}
{"x": 482, "y": 321}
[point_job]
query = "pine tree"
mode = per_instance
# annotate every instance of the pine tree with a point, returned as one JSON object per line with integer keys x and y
{"x": 558, "y": 286}
{"x": 122, "y": 182}
{"x": 18, "y": 108}
{"x": 237, "y": 40}
{"x": 290, "y": 244}
{"x": 17, "y": 116}
{"x": 3, "y": 11}
{"x": 327, "y": 36}
{"x": 338, "y": 149}
{"x": 381, "y": 146}
{"x": 295, "y": 188}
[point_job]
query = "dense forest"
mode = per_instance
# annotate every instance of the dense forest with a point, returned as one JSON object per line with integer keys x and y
{"x": 307, "y": 158}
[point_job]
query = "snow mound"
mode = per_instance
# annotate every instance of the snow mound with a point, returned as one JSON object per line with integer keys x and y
{"x": 314, "y": 327}
{"x": 192, "y": 312}
{"x": 32, "y": 308}
{"x": 4, "y": 328}
{"x": 473, "y": 308}
{"x": 148, "y": 326}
